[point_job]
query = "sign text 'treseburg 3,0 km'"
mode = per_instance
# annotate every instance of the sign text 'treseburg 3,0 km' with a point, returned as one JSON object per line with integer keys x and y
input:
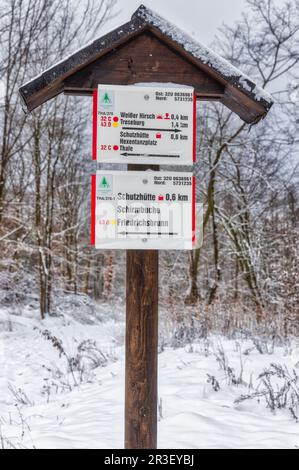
{"x": 144, "y": 124}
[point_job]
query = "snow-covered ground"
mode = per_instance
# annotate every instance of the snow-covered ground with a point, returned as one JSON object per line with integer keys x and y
{"x": 44, "y": 405}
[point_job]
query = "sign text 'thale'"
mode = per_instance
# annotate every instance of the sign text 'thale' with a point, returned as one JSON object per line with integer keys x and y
{"x": 144, "y": 124}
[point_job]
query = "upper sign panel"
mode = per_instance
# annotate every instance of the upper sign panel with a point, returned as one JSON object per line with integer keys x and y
{"x": 144, "y": 124}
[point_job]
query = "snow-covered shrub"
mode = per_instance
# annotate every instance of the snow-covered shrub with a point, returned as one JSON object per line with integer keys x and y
{"x": 279, "y": 387}
{"x": 20, "y": 396}
{"x": 56, "y": 343}
{"x": 80, "y": 307}
{"x": 232, "y": 377}
{"x": 89, "y": 357}
{"x": 263, "y": 346}
{"x": 79, "y": 365}
{"x": 17, "y": 288}
{"x": 6, "y": 444}
{"x": 188, "y": 331}
{"x": 214, "y": 382}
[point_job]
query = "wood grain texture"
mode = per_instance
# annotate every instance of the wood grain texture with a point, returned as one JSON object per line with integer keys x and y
{"x": 141, "y": 346}
{"x": 141, "y": 350}
{"x": 143, "y": 59}
{"x": 50, "y": 82}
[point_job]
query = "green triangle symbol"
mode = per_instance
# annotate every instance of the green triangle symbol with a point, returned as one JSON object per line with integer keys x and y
{"x": 104, "y": 183}
{"x": 106, "y": 98}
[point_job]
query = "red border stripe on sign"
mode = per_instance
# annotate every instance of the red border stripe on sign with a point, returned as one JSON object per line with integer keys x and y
{"x": 193, "y": 210}
{"x": 94, "y": 124}
{"x": 93, "y": 210}
{"x": 194, "y": 127}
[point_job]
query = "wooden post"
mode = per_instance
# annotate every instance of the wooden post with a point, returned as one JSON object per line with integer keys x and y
{"x": 141, "y": 346}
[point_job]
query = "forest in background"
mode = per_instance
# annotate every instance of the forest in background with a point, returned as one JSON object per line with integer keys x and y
{"x": 246, "y": 273}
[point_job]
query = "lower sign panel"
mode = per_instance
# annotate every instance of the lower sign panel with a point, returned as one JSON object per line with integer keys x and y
{"x": 143, "y": 210}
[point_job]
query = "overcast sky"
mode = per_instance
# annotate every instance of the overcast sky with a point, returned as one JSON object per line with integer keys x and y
{"x": 200, "y": 18}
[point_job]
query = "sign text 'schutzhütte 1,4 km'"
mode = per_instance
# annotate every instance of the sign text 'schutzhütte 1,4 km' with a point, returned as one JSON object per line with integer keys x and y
{"x": 143, "y": 210}
{"x": 144, "y": 124}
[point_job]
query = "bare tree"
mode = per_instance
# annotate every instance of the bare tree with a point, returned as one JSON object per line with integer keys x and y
{"x": 36, "y": 150}
{"x": 270, "y": 52}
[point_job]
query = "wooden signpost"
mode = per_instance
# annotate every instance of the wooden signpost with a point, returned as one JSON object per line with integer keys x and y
{"x": 146, "y": 49}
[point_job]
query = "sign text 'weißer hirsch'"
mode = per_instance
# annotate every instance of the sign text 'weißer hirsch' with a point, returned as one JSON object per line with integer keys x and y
{"x": 144, "y": 124}
{"x": 143, "y": 210}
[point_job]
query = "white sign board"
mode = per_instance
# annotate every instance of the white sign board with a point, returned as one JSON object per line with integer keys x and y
{"x": 143, "y": 210}
{"x": 144, "y": 124}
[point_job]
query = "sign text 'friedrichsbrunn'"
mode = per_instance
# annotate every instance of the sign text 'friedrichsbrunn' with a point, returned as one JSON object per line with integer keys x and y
{"x": 144, "y": 124}
{"x": 143, "y": 210}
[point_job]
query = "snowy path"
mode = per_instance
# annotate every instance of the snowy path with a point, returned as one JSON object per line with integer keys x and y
{"x": 91, "y": 415}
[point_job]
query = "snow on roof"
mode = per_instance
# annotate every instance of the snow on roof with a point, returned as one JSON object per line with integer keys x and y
{"x": 204, "y": 54}
{"x": 50, "y": 82}
{"x": 84, "y": 51}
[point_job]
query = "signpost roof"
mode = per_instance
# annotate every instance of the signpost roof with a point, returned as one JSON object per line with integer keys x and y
{"x": 149, "y": 48}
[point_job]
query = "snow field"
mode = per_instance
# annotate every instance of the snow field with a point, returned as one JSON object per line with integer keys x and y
{"x": 44, "y": 405}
